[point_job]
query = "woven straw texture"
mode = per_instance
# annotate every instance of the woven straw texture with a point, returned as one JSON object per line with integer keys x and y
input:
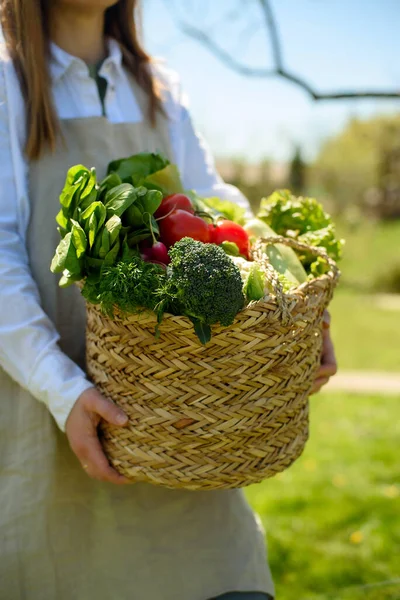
{"x": 224, "y": 415}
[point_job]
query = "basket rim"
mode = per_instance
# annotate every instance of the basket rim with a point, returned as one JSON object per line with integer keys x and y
{"x": 329, "y": 280}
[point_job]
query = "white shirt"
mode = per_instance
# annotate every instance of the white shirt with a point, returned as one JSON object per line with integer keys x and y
{"x": 29, "y": 350}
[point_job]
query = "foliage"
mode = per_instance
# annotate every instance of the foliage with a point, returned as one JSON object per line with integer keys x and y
{"x": 127, "y": 286}
{"x": 332, "y": 518}
{"x": 389, "y": 280}
{"x": 361, "y": 166}
{"x": 225, "y": 208}
{"x": 100, "y": 221}
{"x": 305, "y": 220}
{"x": 297, "y": 173}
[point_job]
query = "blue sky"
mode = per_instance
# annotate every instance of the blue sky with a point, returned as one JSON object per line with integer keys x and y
{"x": 333, "y": 44}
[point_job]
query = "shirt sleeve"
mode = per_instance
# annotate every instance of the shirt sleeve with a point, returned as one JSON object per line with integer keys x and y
{"x": 191, "y": 152}
{"x": 29, "y": 350}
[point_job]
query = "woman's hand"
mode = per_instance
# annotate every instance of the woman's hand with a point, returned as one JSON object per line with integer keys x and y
{"x": 81, "y": 430}
{"x": 328, "y": 366}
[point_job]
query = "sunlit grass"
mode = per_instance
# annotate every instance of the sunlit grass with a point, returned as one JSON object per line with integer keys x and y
{"x": 366, "y": 335}
{"x": 333, "y": 518}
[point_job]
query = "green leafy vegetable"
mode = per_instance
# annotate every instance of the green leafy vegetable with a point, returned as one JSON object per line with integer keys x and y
{"x": 323, "y": 238}
{"x": 150, "y": 201}
{"x": 138, "y": 167}
{"x": 305, "y": 220}
{"x": 77, "y": 177}
{"x": 230, "y": 248}
{"x": 284, "y": 212}
{"x": 113, "y": 226}
{"x": 225, "y": 208}
{"x": 119, "y": 199}
{"x": 167, "y": 181}
{"x": 66, "y": 257}
{"x": 128, "y": 286}
{"x": 79, "y": 238}
{"x": 202, "y": 283}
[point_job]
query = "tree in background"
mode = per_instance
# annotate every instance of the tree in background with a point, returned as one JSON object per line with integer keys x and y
{"x": 361, "y": 166}
{"x": 201, "y": 20}
{"x": 297, "y": 173}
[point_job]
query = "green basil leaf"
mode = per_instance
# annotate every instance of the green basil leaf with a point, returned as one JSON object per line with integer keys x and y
{"x": 137, "y": 236}
{"x": 150, "y": 201}
{"x": 89, "y": 185}
{"x": 112, "y": 254}
{"x": 93, "y": 263}
{"x": 79, "y": 238}
{"x": 137, "y": 167}
{"x": 62, "y": 219}
{"x": 105, "y": 243}
{"x": 119, "y": 199}
{"x": 88, "y": 200}
{"x": 95, "y": 250}
{"x": 93, "y": 219}
{"x": 109, "y": 182}
{"x": 133, "y": 216}
{"x": 63, "y": 232}
{"x": 75, "y": 177}
{"x": 95, "y": 206}
{"x": 66, "y": 257}
{"x": 114, "y": 226}
{"x": 60, "y": 257}
{"x": 93, "y": 228}
{"x": 69, "y": 278}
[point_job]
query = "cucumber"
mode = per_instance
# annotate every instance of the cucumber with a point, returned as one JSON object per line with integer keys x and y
{"x": 283, "y": 258}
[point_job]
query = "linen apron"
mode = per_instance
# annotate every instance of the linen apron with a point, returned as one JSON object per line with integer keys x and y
{"x": 64, "y": 536}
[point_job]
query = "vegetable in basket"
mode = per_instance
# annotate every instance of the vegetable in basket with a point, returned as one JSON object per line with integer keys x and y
{"x": 119, "y": 235}
{"x": 203, "y": 284}
{"x": 305, "y": 220}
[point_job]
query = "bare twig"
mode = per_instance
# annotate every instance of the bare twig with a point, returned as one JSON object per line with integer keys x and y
{"x": 279, "y": 69}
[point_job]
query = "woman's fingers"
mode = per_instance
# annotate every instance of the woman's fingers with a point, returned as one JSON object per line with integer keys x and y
{"x": 95, "y": 463}
{"x": 328, "y": 366}
{"x": 319, "y": 383}
{"x": 81, "y": 430}
{"x": 97, "y": 404}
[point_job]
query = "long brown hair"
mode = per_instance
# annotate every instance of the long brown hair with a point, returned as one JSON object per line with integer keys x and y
{"x": 25, "y": 25}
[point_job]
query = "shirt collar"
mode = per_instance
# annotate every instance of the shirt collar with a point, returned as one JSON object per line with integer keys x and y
{"x": 61, "y": 61}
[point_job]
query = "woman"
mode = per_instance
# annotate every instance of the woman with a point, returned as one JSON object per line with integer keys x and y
{"x": 76, "y": 87}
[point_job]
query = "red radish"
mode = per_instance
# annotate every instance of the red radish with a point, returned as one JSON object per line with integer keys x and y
{"x": 157, "y": 253}
{"x": 160, "y": 253}
{"x": 147, "y": 254}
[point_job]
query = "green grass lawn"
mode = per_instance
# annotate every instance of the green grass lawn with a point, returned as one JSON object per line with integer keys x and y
{"x": 333, "y": 518}
{"x": 370, "y": 253}
{"x": 365, "y": 335}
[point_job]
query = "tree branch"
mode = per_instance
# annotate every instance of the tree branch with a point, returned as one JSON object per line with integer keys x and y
{"x": 278, "y": 69}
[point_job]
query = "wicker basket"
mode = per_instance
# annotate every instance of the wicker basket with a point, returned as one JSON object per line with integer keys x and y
{"x": 224, "y": 415}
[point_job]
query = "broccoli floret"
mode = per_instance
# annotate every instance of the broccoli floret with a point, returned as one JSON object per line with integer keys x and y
{"x": 204, "y": 284}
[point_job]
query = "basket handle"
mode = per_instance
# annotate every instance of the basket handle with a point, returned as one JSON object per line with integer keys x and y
{"x": 292, "y": 243}
{"x": 272, "y": 276}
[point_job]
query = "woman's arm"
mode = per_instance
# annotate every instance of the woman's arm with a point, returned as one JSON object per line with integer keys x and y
{"x": 29, "y": 350}
{"x": 28, "y": 340}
